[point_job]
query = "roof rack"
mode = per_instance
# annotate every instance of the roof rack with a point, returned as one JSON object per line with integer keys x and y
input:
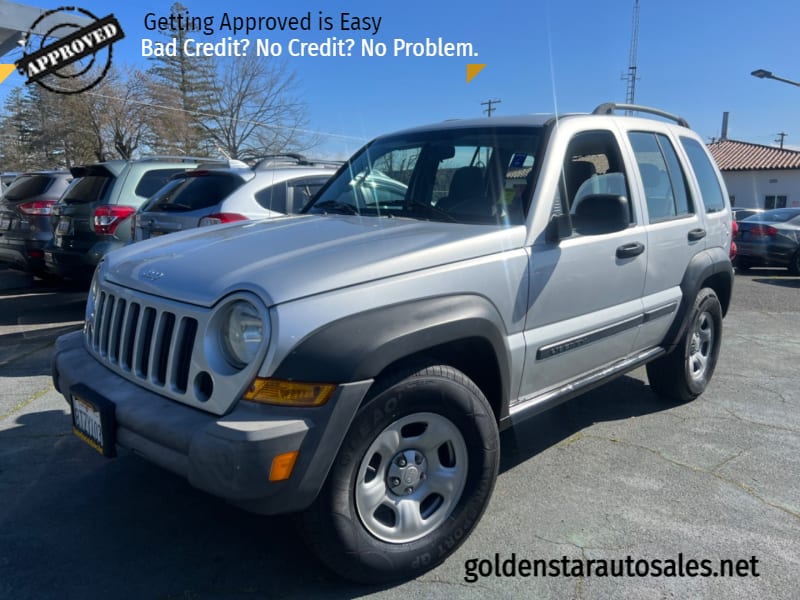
{"x": 609, "y": 107}
{"x": 183, "y": 158}
{"x": 291, "y": 158}
{"x": 224, "y": 164}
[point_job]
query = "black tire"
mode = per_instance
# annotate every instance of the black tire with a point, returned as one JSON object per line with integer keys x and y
{"x": 437, "y": 417}
{"x": 794, "y": 264}
{"x": 742, "y": 264}
{"x": 684, "y": 373}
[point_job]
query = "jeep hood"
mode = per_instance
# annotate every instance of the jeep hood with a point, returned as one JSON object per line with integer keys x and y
{"x": 289, "y": 258}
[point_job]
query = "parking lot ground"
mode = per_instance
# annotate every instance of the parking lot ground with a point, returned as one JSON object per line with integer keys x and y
{"x": 615, "y": 473}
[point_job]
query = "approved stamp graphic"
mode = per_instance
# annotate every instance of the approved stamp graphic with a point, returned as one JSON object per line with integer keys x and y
{"x": 75, "y": 62}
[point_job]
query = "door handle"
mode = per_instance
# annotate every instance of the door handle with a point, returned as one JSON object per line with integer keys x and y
{"x": 697, "y": 234}
{"x": 630, "y": 250}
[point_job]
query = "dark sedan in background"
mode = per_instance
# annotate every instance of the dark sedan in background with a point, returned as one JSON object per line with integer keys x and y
{"x": 770, "y": 239}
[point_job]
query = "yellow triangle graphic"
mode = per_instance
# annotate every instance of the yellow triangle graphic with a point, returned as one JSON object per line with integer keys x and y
{"x": 5, "y": 71}
{"x": 473, "y": 69}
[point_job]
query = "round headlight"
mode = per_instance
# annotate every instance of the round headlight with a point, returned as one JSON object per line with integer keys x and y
{"x": 91, "y": 303}
{"x": 243, "y": 332}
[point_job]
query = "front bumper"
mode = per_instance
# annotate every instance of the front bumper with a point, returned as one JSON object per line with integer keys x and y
{"x": 228, "y": 456}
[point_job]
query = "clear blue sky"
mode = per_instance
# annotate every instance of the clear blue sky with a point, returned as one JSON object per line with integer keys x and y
{"x": 694, "y": 59}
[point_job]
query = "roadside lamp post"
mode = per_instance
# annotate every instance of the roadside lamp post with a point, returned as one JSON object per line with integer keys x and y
{"x": 764, "y": 74}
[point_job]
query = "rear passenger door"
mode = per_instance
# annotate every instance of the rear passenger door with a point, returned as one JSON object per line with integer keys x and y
{"x": 675, "y": 230}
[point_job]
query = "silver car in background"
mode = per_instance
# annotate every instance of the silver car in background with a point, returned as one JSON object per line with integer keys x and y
{"x": 210, "y": 195}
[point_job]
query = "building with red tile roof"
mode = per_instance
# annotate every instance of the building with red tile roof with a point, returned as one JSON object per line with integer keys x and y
{"x": 758, "y": 176}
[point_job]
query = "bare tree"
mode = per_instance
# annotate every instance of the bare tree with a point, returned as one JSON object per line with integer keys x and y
{"x": 253, "y": 109}
{"x": 126, "y": 114}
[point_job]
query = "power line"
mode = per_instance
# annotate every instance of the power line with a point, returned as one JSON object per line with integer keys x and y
{"x": 213, "y": 116}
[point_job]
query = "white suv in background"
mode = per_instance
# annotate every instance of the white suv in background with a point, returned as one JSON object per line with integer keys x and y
{"x": 214, "y": 194}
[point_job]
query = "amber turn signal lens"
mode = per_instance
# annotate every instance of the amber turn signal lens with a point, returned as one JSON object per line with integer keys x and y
{"x": 282, "y": 466}
{"x": 289, "y": 393}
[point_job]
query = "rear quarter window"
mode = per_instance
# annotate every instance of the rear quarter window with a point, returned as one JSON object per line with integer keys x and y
{"x": 710, "y": 189}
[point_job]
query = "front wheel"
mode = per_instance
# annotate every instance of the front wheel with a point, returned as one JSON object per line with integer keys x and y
{"x": 413, "y": 477}
{"x": 684, "y": 374}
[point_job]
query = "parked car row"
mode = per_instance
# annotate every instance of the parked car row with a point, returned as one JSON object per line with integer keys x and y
{"x": 61, "y": 223}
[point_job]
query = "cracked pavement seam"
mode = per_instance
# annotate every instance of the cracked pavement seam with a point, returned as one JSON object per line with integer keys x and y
{"x": 742, "y": 486}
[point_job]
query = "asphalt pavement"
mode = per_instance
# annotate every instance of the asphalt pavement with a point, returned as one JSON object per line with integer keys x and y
{"x": 614, "y": 475}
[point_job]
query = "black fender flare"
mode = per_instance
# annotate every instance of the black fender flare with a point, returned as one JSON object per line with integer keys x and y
{"x": 361, "y": 346}
{"x": 712, "y": 263}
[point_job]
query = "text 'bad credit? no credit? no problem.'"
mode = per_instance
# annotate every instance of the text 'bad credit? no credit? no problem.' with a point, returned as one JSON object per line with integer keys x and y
{"x": 329, "y": 48}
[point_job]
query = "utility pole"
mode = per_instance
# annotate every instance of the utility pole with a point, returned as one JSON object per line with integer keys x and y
{"x": 490, "y": 109}
{"x": 781, "y": 135}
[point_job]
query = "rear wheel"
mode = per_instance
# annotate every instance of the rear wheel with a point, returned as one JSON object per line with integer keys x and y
{"x": 413, "y": 477}
{"x": 684, "y": 374}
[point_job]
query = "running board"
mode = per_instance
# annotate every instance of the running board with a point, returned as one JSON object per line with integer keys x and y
{"x": 539, "y": 403}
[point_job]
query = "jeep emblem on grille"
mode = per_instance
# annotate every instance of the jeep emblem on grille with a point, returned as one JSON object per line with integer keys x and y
{"x": 152, "y": 274}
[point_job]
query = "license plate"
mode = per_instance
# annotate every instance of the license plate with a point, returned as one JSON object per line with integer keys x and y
{"x": 63, "y": 225}
{"x": 156, "y": 233}
{"x": 5, "y": 223}
{"x": 93, "y": 421}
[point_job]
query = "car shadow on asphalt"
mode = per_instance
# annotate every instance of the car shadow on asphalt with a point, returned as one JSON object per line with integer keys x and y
{"x": 37, "y": 306}
{"x": 124, "y": 528}
{"x": 133, "y": 530}
{"x": 622, "y": 398}
{"x": 789, "y": 282}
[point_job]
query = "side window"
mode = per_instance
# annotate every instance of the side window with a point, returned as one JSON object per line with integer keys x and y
{"x": 273, "y": 197}
{"x": 665, "y": 186}
{"x": 713, "y": 200}
{"x": 302, "y": 190}
{"x": 154, "y": 180}
{"x": 593, "y": 165}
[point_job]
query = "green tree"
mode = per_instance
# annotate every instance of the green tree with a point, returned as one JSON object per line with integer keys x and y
{"x": 179, "y": 95}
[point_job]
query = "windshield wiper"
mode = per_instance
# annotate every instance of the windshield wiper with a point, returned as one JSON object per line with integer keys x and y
{"x": 336, "y": 207}
{"x": 431, "y": 209}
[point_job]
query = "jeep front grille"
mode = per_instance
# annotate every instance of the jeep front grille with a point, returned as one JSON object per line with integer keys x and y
{"x": 147, "y": 342}
{"x": 165, "y": 346}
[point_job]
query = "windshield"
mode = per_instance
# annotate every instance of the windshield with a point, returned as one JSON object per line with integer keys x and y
{"x": 469, "y": 175}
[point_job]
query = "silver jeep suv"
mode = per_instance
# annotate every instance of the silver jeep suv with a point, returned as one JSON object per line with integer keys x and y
{"x": 448, "y": 282}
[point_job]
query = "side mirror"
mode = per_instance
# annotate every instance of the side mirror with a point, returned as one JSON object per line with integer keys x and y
{"x": 558, "y": 228}
{"x": 597, "y": 214}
